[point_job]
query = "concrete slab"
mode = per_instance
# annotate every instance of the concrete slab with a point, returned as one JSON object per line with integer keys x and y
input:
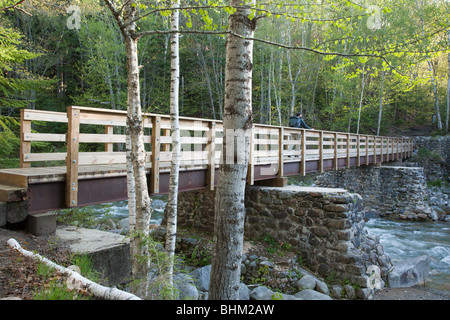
{"x": 110, "y": 253}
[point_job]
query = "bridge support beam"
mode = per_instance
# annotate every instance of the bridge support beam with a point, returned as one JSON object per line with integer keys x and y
{"x": 275, "y": 182}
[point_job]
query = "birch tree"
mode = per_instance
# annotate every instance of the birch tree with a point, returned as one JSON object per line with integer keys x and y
{"x": 237, "y": 126}
{"x": 175, "y": 165}
{"x": 140, "y": 219}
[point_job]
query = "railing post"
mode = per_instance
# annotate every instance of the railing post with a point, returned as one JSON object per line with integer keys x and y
{"x": 321, "y": 151}
{"x": 303, "y": 162}
{"x": 166, "y": 146}
{"x": 109, "y": 131}
{"x": 211, "y": 155}
{"x": 388, "y": 157}
{"x": 411, "y": 147}
{"x": 335, "y": 160}
{"x": 25, "y": 147}
{"x": 367, "y": 150}
{"x": 358, "y": 151}
{"x": 382, "y": 149}
{"x": 402, "y": 150}
{"x": 374, "y": 160}
{"x": 280, "y": 152}
{"x": 156, "y": 151}
{"x": 396, "y": 148}
{"x": 348, "y": 151}
{"x": 72, "y": 159}
{"x": 251, "y": 167}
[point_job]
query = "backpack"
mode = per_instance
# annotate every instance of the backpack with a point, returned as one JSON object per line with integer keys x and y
{"x": 294, "y": 122}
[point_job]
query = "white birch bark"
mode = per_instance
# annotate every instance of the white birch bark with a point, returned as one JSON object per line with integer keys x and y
{"x": 171, "y": 234}
{"x": 448, "y": 89}
{"x": 237, "y": 118}
{"x": 432, "y": 74}
{"x": 361, "y": 100}
{"x": 380, "y": 111}
{"x": 76, "y": 280}
{"x": 436, "y": 99}
{"x": 137, "y": 154}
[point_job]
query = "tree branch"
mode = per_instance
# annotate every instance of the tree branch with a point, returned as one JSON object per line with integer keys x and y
{"x": 14, "y": 6}
{"x": 252, "y": 8}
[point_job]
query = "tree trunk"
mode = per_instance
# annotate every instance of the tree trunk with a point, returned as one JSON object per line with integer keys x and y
{"x": 76, "y": 280}
{"x": 136, "y": 129}
{"x": 360, "y": 101}
{"x": 448, "y": 90}
{"x": 237, "y": 123}
{"x": 381, "y": 105}
{"x": 171, "y": 234}
{"x": 436, "y": 99}
{"x": 136, "y": 154}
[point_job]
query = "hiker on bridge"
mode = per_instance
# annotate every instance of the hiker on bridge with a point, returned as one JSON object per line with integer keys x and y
{"x": 297, "y": 121}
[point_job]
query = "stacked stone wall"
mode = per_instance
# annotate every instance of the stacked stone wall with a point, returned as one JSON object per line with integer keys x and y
{"x": 437, "y": 164}
{"x": 325, "y": 226}
{"x": 388, "y": 191}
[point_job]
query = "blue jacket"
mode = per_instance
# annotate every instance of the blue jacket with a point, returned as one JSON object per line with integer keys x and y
{"x": 297, "y": 122}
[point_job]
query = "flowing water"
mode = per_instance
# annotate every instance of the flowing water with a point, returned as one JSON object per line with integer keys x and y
{"x": 401, "y": 240}
{"x": 408, "y": 239}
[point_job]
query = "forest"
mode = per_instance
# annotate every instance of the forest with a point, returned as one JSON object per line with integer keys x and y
{"x": 367, "y": 67}
{"x": 372, "y": 67}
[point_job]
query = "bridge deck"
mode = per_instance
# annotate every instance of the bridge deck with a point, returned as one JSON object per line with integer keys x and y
{"x": 82, "y": 178}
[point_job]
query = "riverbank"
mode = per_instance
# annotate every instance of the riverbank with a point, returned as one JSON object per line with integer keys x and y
{"x": 17, "y": 275}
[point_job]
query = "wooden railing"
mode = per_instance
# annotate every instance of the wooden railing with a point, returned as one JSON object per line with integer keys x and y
{"x": 272, "y": 150}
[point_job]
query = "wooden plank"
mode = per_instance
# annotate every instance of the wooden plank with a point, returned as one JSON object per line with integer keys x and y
{"x": 100, "y": 117}
{"x": 95, "y": 158}
{"x": 13, "y": 179}
{"x": 156, "y": 150}
{"x": 48, "y": 137}
{"x": 73, "y": 131}
{"x": 44, "y": 156}
{"x": 25, "y": 147}
{"x": 42, "y": 115}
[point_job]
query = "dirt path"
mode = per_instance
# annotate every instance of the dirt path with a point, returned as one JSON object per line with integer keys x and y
{"x": 18, "y": 274}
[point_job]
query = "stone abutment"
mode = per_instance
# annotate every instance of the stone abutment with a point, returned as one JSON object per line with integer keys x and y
{"x": 324, "y": 225}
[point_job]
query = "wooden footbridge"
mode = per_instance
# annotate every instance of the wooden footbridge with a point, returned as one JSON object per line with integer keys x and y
{"x": 83, "y": 175}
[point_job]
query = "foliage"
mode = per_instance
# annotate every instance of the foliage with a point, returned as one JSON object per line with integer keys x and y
{"x": 425, "y": 154}
{"x": 308, "y": 56}
{"x": 274, "y": 246}
{"x": 86, "y": 217}
{"x": 54, "y": 285}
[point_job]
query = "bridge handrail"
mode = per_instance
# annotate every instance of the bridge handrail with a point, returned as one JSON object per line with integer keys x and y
{"x": 271, "y": 146}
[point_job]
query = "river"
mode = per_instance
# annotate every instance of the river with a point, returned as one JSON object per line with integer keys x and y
{"x": 401, "y": 240}
{"x": 408, "y": 239}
